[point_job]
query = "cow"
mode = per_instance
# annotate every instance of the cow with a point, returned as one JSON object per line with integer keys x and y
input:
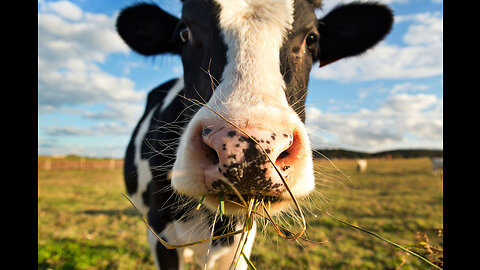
{"x": 361, "y": 165}
{"x": 437, "y": 165}
{"x": 234, "y": 122}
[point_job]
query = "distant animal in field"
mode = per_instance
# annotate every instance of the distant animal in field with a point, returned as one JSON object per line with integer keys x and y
{"x": 361, "y": 165}
{"x": 437, "y": 165}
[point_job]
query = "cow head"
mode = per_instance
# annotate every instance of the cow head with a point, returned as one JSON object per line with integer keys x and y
{"x": 249, "y": 61}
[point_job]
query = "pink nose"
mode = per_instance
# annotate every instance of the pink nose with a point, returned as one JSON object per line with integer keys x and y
{"x": 239, "y": 160}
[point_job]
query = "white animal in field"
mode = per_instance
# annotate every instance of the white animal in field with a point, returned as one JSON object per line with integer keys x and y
{"x": 437, "y": 164}
{"x": 362, "y": 165}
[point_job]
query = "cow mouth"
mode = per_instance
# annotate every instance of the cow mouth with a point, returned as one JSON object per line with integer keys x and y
{"x": 235, "y": 206}
{"x": 235, "y": 198}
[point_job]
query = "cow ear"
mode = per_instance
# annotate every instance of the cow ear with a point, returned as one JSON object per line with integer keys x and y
{"x": 351, "y": 29}
{"x": 147, "y": 29}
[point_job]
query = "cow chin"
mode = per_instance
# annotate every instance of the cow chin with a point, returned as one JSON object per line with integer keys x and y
{"x": 196, "y": 161}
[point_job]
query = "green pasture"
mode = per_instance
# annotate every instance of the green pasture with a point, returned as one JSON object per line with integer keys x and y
{"x": 84, "y": 222}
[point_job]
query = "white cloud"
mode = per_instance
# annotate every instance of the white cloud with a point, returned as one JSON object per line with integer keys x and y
{"x": 405, "y": 104}
{"x": 123, "y": 112}
{"x": 71, "y": 43}
{"x": 421, "y": 57}
{"x": 427, "y": 28}
{"x": 66, "y": 10}
{"x": 408, "y": 87}
{"x": 399, "y": 118}
{"x": 328, "y": 5}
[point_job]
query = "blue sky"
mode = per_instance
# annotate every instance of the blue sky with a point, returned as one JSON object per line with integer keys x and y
{"x": 92, "y": 88}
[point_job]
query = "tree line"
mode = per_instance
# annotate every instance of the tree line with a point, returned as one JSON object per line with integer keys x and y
{"x": 400, "y": 153}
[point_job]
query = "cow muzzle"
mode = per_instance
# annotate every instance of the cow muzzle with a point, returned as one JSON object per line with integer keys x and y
{"x": 244, "y": 161}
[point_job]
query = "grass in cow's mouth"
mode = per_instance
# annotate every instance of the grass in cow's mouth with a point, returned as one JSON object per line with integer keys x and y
{"x": 235, "y": 200}
{"x": 221, "y": 204}
{"x": 200, "y": 203}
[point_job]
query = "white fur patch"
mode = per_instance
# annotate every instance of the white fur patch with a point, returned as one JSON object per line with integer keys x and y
{"x": 254, "y": 31}
{"x": 172, "y": 93}
{"x": 143, "y": 167}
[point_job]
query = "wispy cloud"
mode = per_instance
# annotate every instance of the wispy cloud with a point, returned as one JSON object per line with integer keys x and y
{"x": 100, "y": 129}
{"x": 408, "y": 87}
{"x": 398, "y": 118}
{"x": 52, "y": 146}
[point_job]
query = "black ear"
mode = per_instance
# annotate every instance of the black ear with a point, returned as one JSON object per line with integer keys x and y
{"x": 351, "y": 29}
{"x": 147, "y": 29}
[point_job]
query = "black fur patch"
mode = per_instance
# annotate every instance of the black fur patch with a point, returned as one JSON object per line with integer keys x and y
{"x": 167, "y": 258}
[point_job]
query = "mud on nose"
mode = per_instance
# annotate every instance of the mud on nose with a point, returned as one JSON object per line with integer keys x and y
{"x": 236, "y": 158}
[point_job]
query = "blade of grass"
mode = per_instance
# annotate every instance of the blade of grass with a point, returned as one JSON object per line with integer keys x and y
{"x": 250, "y": 264}
{"x": 247, "y": 227}
{"x": 277, "y": 227}
{"x": 386, "y": 240}
{"x": 200, "y": 203}
{"x": 222, "y": 205}
{"x": 249, "y": 216}
{"x": 211, "y": 241}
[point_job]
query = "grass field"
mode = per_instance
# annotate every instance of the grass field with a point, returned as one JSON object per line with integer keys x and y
{"x": 85, "y": 223}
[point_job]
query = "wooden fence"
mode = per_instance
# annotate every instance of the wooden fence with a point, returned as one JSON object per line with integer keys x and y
{"x": 80, "y": 164}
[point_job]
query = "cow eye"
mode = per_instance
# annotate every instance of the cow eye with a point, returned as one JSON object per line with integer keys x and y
{"x": 185, "y": 34}
{"x": 311, "y": 39}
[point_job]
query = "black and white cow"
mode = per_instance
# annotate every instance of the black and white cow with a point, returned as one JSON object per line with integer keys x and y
{"x": 249, "y": 61}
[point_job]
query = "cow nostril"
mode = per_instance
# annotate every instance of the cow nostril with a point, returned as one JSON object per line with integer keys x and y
{"x": 212, "y": 155}
{"x": 291, "y": 152}
{"x": 205, "y": 131}
{"x": 284, "y": 154}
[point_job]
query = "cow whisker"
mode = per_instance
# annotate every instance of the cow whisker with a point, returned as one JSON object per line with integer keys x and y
{"x": 212, "y": 84}
{"x": 333, "y": 164}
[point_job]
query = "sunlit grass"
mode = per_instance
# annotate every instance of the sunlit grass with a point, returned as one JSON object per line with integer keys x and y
{"x": 84, "y": 221}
